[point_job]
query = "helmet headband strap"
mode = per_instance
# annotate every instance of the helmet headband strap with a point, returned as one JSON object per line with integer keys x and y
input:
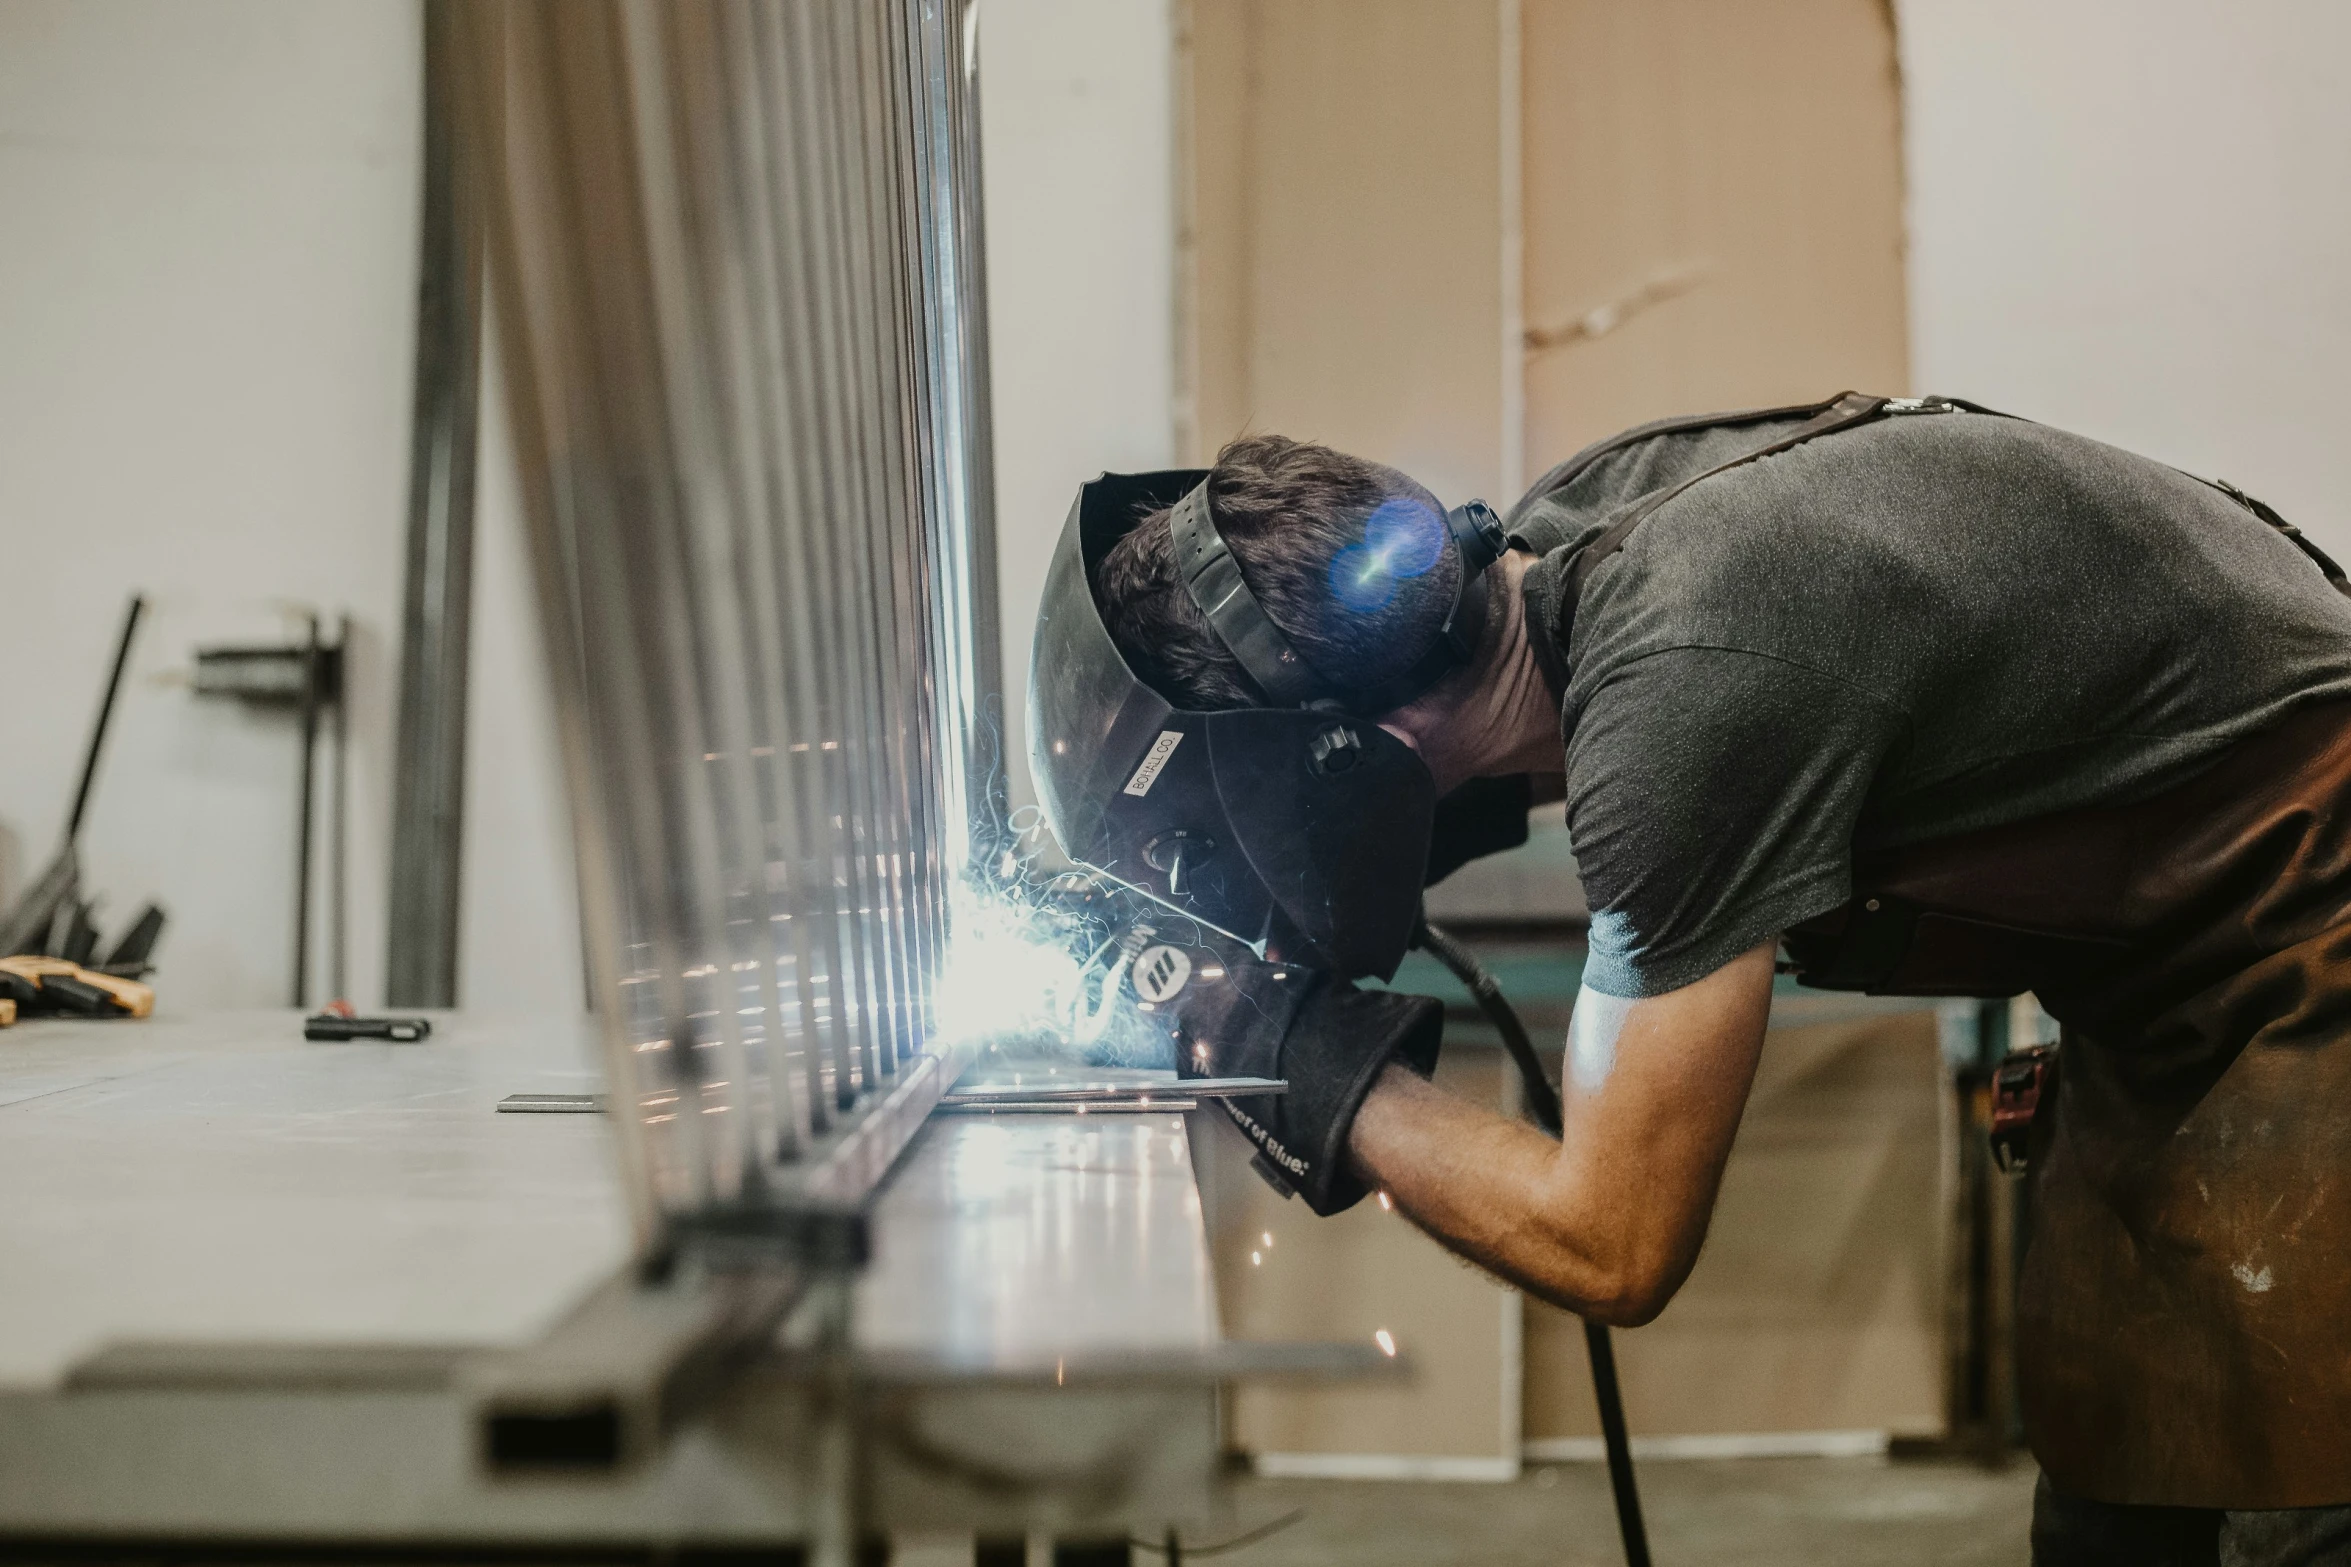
{"x": 1213, "y": 578}
{"x": 1281, "y": 673}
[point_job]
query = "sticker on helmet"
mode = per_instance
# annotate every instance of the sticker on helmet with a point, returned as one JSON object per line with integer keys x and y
{"x": 1161, "y": 972}
{"x": 1154, "y": 761}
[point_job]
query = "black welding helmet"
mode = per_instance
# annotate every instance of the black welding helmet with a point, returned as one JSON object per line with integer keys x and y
{"x": 1300, "y": 824}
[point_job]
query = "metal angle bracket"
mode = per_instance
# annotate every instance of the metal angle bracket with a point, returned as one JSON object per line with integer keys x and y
{"x": 1228, "y": 1361}
{"x": 604, "y": 1389}
{"x": 656, "y": 1343}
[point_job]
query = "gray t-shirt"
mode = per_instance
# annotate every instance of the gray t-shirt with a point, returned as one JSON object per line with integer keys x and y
{"x": 1927, "y": 625}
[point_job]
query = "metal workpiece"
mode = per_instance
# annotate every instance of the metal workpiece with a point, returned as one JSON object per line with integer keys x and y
{"x": 337, "y": 1297}
{"x": 735, "y": 255}
{"x": 984, "y": 1233}
{"x": 1002, "y": 1087}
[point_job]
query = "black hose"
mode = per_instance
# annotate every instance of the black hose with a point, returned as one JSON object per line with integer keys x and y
{"x": 1175, "y": 1550}
{"x": 1543, "y": 1104}
{"x": 122, "y": 659}
{"x": 1542, "y": 1099}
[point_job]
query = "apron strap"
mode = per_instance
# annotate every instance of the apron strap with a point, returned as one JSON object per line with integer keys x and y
{"x": 1845, "y": 412}
{"x": 1851, "y": 409}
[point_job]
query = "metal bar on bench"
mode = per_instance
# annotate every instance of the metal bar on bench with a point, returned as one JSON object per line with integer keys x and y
{"x": 1117, "y": 1093}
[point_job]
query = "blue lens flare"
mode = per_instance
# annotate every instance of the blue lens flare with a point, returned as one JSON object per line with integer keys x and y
{"x": 1401, "y": 540}
{"x": 1410, "y": 534}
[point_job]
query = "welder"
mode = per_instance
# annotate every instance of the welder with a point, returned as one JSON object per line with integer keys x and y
{"x": 1929, "y": 699}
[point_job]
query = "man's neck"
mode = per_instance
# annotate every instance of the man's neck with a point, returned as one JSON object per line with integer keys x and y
{"x": 1506, "y": 721}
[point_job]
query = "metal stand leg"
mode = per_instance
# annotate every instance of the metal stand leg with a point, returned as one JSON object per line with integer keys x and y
{"x": 833, "y": 1539}
{"x": 1093, "y": 1553}
{"x": 1000, "y": 1551}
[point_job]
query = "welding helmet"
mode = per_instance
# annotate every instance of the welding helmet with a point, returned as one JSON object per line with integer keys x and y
{"x": 1298, "y": 825}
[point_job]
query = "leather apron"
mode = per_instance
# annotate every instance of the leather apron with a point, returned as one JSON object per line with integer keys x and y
{"x": 2184, "y": 1309}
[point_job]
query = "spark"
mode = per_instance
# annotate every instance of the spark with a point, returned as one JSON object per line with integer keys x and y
{"x": 1386, "y": 1342}
{"x": 1001, "y": 976}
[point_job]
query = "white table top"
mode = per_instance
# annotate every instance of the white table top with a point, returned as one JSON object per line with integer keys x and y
{"x": 218, "y": 1179}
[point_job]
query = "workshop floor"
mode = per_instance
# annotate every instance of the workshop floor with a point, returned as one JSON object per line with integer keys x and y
{"x": 1787, "y": 1512}
{"x": 1782, "y": 1512}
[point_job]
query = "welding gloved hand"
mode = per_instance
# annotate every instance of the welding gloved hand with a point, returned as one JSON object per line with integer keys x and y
{"x": 1326, "y": 1038}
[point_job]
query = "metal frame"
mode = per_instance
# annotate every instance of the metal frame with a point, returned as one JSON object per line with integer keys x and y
{"x": 735, "y": 254}
{"x": 428, "y": 779}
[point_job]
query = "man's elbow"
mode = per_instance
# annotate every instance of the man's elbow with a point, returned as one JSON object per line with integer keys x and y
{"x": 1635, "y": 1303}
{"x": 1623, "y": 1292}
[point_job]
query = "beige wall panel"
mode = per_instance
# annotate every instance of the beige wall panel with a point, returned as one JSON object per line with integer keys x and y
{"x": 1725, "y": 177}
{"x": 1215, "y": 51}
{"x": 1347, "y": 205}
{"x": 1346, "y": 1278}
{"x": 1816, "y": 1305}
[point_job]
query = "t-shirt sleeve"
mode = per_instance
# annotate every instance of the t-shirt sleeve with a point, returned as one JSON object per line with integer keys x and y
{"x": 1712, "y": 796}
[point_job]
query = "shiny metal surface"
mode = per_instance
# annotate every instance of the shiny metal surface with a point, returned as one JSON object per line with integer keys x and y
{"x": 1009, "y": 1242}
{"x": 1154, "y": 1085}
{"x": 735, "y": 250}
{"x": 274, "y": 1321}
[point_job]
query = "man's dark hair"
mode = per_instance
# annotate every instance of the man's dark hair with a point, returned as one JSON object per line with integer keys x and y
{"x": 1346, "y": 557}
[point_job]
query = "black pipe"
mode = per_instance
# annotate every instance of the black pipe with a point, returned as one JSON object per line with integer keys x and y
{"x": 310, "y": 696}
{"x": 338, "y": 826}
{"x": 122, "y": 658}
{"x": 1543, "y": 1104}
{"x": 428, "y": 761}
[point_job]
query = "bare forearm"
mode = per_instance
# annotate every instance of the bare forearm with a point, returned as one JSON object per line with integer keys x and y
{"x": 1499, "y": 1193}
{"x": 1608, "y": 1221}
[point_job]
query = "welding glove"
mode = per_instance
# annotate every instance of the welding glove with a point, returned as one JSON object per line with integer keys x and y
{"x": 1323, "y": 1036}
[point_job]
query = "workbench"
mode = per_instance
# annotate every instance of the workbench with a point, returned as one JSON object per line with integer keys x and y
{"x": 250, "y": 1288}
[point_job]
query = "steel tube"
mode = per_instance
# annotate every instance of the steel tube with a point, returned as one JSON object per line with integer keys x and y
{"x": 428, "y": 780}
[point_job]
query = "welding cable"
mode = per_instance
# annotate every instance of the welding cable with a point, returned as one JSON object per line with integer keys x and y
{"x": 1542, "y": 1099}
{"x": 1175, "y": 1550}
{"x": 1543, "y": 1103}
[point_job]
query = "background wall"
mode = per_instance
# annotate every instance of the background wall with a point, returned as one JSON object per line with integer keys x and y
{"x": 207, "y": 306}
{"x": 1347, "y": 187}
{"x": 519, "y": 923}
{"x": 207, "y": 281}
{"x": 1077, "y": 158}
{"x": 1713, "y": 210}
{"x": 207, "y": 296}
{"x": 2131, "y": 217}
